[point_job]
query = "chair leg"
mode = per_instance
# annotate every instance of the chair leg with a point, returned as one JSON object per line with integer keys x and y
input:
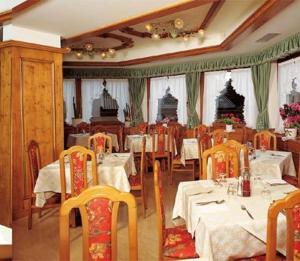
{"x": 29, "y": 218}
{"x": 171, "y": 174}
{"x": 40, "y": 212}
{"x": 144, "y": 203}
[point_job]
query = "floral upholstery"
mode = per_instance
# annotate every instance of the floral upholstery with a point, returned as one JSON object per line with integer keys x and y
{"x": 78, "y": 172}
{"x": 142, "y": 128}
{"x": 160, "y": 140}
{"x": 220, "y": 163}
{"x": 100, "y": 144}
{"x": 135, "y": 180}
{"x": 179, "y": 243}
{"x": 296, "y": 225}
{"x": 99, "y": 213}
{"x": 218, "y": 139}
{"x": 265, "y": 141}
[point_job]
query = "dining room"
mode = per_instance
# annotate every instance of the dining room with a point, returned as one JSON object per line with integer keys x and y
{"x": 150, "y": 130}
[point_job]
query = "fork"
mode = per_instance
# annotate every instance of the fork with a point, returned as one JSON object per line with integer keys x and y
{"x": 243, "y": 207}
{"x": 209, "y": 202}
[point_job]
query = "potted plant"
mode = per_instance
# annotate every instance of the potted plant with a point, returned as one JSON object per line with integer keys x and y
{"x": 290, "y": 114}
{"x": 229, "y": 119}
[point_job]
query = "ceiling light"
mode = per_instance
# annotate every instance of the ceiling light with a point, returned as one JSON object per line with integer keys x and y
{"x": 111, "y": 51}
{"x": 68, "y": 49}
{"x": 148, "y": 27}
{"x": 155, "y": 36}
{"x": 185, "y": 38}
{"x": 89, "y": 47}
{"x": 201, "y": 33}
{"x": 178, "y": 23}
{"x": 103, "y": 55}
{"x": 79, "y": 54}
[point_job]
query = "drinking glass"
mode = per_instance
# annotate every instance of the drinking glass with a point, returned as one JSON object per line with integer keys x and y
{"x": 231, "y": 190}
{"x": 266, "y": 192}
{"x": 263, "y": 148}
{"x": 100, "y": 157}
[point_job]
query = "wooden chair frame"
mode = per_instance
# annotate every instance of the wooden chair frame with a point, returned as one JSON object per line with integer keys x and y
{"x": 67, "y": 153}
{"x": 33, "y": 145}
{"x": 108, "y": 141}
{"x": 218, "y": 132}
{"x": 200, "y": 130}
{"x": 83, "y": 126}
{"x": 270, "y": 136}
{"x": 233, "y": 144}
{"x": 286, "y": 206}
{"x": 141, "y": 187}
{"x": 231, "y": 157}
{"x": 202, "y": 148}
{"x": 86, "y": 196}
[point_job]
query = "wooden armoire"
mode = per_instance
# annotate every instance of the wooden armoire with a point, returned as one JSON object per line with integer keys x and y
{"x": 31, "y": 107}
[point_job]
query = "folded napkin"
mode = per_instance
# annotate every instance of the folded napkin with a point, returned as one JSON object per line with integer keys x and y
{"x": 211, "y": 208}
{"x": 195, "y": 189}
{"x": 274, "y": 182}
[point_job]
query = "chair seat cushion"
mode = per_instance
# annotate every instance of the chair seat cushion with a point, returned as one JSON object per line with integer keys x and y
{"x": 135, "y": 180}
{"x": 291, "y": 180}
{"x": 179, "y": 243}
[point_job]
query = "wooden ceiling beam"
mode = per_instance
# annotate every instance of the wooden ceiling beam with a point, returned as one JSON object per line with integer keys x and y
{"x": 212, "y": 12}
{"x": 188, "y": 4}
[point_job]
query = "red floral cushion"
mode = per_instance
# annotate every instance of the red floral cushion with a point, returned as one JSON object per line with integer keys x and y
{"x": 135, "y": 180}
{"x": 78, "y": 178}
{"x": 218, "y": 139}
{"x": 179, "y": 243}
{"x": 290, "y": 180}
{"x": 296, "y": 224}
{"x": 100, "y": 144}
{"x": 99, "y": 212}
{"x": 265, "y": 141}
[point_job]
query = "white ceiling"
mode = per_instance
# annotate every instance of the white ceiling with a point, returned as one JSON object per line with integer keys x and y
{"x": 72, "y": 17}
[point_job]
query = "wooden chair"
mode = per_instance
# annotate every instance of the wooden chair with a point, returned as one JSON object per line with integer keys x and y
{"x": 204, "y": 143}
{"x": 137, "y": 182}
{"x": 239, "y": 134}
{"x": 200, "y": 130}
{"x": 83, "y": 127}
{"x": 184, "y": 246}
{"x": 176, "y": 164}
{"x": 141, "y": 128}
{"x": 99, "y": 207}
{"x": 239, "y": 148}
{"x": 99, "y": 141}
{"x": 177, "y": 131}
{"x": 34, "y": 166}
{"x": 218, "y": 136}
{"x": 161, "y": 145}
{"x": 76, "y": 157}
{"x": 223, "y": 160}
{"x": 266, "y": 139}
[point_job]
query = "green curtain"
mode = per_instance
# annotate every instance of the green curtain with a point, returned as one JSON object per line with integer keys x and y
{"x": 192, "y": 90}
{"x": 136, "y": 93}
{"x": 281, "y": 49}
{"x": 261, "y": 79}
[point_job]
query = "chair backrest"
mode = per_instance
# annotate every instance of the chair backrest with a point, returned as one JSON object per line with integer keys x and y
{"x": 76, "y": 159}
{"x": 160, "y": 140}
{"x": 223, "y": 160}
{"x": 239, "y": 134}
{"x": 177, "y": 131}
{"x": 143, "y": 161}
{"x": 266, "y": 139}
{"x": 239, "y": 148}
{"x": 218, "y": 136}
{"x": 83, "y": 127}
{"x": 290, "y": 206}
{"x": 200, "y": 130}
{"x": 99, "y": 142}
{"x": 141, "y": 128}
{"x": 99, "y": 207}
{"x": 160, "y": 211}
{"x": 34, "y": 163}
{"x": 204, "y": 143}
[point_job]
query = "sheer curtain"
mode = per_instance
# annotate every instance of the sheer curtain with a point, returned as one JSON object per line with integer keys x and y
{"x": 118, "y": 89}
{"x": 242, "y": 83}
{"x": 158, "y": 87}
{"x": 69, "y": 93}
{"x": 92, "y": 89}
{"x": 214, "y": 82}
{"x": 287, "y": 71}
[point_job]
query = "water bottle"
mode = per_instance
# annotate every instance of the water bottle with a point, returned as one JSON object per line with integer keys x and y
{"x": 246, "y": 188}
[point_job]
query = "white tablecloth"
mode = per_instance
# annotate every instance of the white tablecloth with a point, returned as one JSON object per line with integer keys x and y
{"x": 114, "y": 171}
{"x": 224, "y": 231}
{"x": 189, "y": 150}
{"x": 82, "y": 139}
{"x": 134, "y": 143}
{"x": 5, "y": 235}
{"x": 272, "y": 164}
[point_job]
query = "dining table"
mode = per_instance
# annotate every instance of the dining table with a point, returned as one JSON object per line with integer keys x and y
{"x": 5, "y": 242}
{"x": 82, "y": 139}
{"x": 114, "y": 171}
{"x": 228, "y": 227}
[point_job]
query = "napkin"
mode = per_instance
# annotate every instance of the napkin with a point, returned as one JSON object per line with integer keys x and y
{"x": 274, "y": 182}
{"x": 211, "y": 208}
{"x": 198, "y": 189}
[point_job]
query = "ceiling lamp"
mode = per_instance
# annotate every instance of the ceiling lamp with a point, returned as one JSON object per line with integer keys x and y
{"x": 103, "y": 55}
{"x": 201, "y": 33}
{"x": 79, "y": 54}
{"x": 171, "y": 29}
{"x": 89, "y": 47}
{"x": 111, "y": 52}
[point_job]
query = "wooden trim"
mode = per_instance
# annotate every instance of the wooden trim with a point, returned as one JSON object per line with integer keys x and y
{"x": 201, "y": 96}
{"x": 212, "y": 12}
{"x": 188, "y": 4}
{"x": 289, "y": 57}
{"x": 148, "y": 97}
{"x": 13, "y": 43}
{"x": 263, "y": 14}
{"x": 257, "y": 19}
{"x": 8, "y": 15}
{"x": 132, "y": 31}
{"x": 78, "y": 95}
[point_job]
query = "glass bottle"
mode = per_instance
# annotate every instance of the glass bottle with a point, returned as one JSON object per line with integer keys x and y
{"x": 246, "y": 188}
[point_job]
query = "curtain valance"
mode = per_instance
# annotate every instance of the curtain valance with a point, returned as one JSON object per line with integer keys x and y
{"x": 281, "y": 49}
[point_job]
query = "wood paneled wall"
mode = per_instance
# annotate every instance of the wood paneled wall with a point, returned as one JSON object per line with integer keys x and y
{"x": 31, "y": 107}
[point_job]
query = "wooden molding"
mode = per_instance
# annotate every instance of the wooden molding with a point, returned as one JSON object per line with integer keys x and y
{"x": 254, "y": 21}
{"x": 13, "y": 43}
{"x": 132, "y": 31}
{"x": 188, "y": 4}
{"x": 8, "y": 15}
{"x": 212, "y": 12}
